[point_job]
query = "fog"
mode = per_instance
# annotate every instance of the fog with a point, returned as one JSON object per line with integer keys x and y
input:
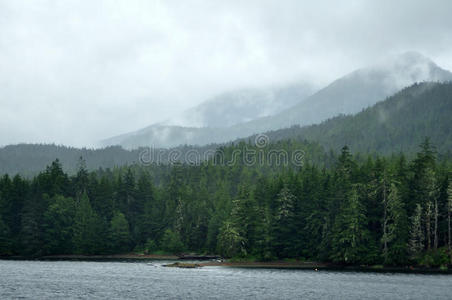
{"x": 75, "y": 72}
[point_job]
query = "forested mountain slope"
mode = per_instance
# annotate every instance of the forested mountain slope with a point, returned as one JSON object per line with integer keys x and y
{"x": 210, "y": 121}
{"x": 347, "y": 95}
{"x": 358, "y": 90}
{"x": 28, "y": 159}
{"x": 397, "y": 124}
{"x": 243, "y": 105}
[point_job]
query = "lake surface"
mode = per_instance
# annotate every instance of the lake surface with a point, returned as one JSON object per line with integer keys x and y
{"x": 137, "y": 280}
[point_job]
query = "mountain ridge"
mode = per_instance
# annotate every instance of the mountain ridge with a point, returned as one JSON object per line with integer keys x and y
{"x": 346, "y": 95}
{"x": 242, "y": 105}
{"x": 397, "y": 124}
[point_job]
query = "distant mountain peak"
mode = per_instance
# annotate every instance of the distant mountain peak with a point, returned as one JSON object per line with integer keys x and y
{"x": 396, "y": 72}
{"x": 410, "y": 57}
{"x": 347, "y": 95}
{"x": 413, "y": 64}
{"x": 399, "y": 123}
{"x": 242, "y": 105}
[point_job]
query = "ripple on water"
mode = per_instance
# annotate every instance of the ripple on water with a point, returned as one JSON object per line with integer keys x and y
{"x": 134, "y": 280}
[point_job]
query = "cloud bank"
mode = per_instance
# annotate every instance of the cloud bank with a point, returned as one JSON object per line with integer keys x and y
{"x": 74, "y": 72}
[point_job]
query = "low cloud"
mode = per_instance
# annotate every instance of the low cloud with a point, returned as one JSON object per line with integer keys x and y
{"x": 75, "y": 72}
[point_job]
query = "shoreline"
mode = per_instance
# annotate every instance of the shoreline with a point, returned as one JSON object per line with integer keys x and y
{"x": 318, "y": 266}
{"x": 79, "y": 257}
{"x": 293, "y": 265}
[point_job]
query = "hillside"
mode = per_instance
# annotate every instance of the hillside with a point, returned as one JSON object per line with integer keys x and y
{"x": 358, "y": 90}
{"x": 211, "y": 121}
{"x": 398, "y": 124}
{"x": 347, "y": 95}
{"x": 27, "y": 159}
{"x": 239, "y": 106}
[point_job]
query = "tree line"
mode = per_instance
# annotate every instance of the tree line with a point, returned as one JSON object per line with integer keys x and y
{"x": 354, "y": 209}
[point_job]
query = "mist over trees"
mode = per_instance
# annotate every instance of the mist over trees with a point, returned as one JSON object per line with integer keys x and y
{"x": 395, "y": 125}
{"x": 347, "y": 95}
{"x": 385, "y": 199}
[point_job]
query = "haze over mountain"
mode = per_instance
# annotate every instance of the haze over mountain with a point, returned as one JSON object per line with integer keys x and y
{"x": 241, "y": 106}
{"x": 221, "y": 112}
{"x": 346, "y": 95}
{"x": 400, "y": 123}
{"x": 357, "y": 90}
{"x": 397, "y": 125}
{"x": 77, "y": 72}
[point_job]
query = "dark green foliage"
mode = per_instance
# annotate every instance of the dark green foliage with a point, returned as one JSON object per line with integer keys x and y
{"x": 58, "y": 221}
{"x": 5, "y": 239}
{"x": 119, "y": 234}
{"x": 395, "y": 233}
{"x": 87, "y": 228}
{"x": 351, "y": 209}
{"x": 171, "y": 242}
{"x": 398, "y": 124}
{"x": 230, "y": 241}
{"x": 283, "y": 225}
{"x": 350, "y": 234}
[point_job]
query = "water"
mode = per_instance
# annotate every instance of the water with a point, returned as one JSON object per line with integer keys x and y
{"x": 136, "y": 280}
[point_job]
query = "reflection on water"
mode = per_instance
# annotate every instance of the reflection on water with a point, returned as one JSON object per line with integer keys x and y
{"x": 119, "y": 280}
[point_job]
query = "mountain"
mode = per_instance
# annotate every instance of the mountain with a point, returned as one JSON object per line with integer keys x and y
{"x": 199, "y": 125}
{"x": 28, "y": 159}
{"x": 241, "y": 106}
{"x": 398, "y": 124}
{"x": 357, "y": 90}
{"x": 347, "y": 95}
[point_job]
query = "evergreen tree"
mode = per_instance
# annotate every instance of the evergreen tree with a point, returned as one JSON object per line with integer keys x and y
{"x": 142, "y": 208}
{"x": 153, "y": 221}
{"x": 221, "y": 211}
{"x": 283, "y": 224}
{"x": 54, "y": 181}
{"x": 87, "y": 237}
{"x": 171, "y": 242}
{"x": 230, "y": 242}
{"x": 319, "y": 223}
{"x": 126, "y": 193}
{"x": 81, "y": 180}
{"x": 119, "y": 233}
{"x": 395, "y": 234}
{"x": 103, "y": 201}
{"x": 173, "y": 210}
{"x": 350, "y": 234}
{"x": 58, "y": 225}
{"x": 31, "y": 235}
{"x": 348, "y": 209}
{"x": 12, "y": 196}
{"x": 5, "y": 238}
{"x": 244, "y": 217}
{"x": 423, "y": 183}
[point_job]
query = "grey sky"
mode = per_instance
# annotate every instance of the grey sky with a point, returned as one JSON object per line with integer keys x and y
{"x": 74, "y": 72}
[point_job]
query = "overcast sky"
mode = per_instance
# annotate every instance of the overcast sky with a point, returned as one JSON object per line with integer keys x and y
{"x": 75, "y": 72}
